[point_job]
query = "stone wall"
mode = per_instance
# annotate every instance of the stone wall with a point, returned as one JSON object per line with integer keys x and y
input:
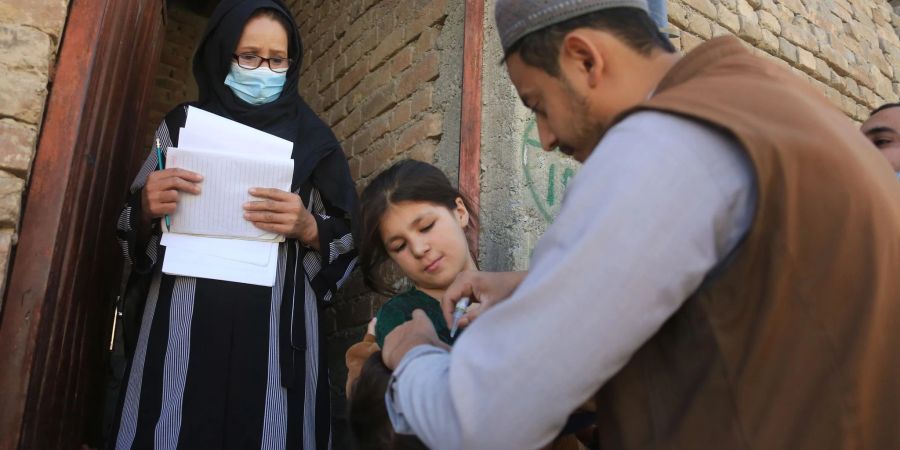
{"x": 848, "y": 49}
{"x": 30, "y": 33}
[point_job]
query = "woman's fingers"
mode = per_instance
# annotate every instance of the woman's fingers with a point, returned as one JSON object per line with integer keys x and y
{"x": 186, "y": 175}
{"x": 273, "y": 194}
{"x": 170, "y": 196}
{"x": 271, "y": 205}
{"x": 166, "y": 183}
{"x": 164, "y": 208}
{"x": 277, "y": 228}
{"x": 269, "y": 217}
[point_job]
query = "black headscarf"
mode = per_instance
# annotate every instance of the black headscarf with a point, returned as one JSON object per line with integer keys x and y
{"x": 316, "y": 153}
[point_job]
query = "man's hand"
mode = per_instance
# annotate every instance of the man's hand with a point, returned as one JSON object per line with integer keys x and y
{"x": 418, "y": 331}
{"x": 283, "y": 213}
{"x": 485, "y": 288}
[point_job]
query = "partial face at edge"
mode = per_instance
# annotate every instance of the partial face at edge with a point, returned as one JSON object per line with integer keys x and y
{"x": 883, "y": 129}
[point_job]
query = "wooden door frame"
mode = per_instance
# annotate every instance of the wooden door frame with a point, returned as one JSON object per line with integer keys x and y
{"x": 51, "y": 294}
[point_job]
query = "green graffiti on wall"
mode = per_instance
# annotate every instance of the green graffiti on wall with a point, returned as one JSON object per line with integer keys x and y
{"x": 547, "y": 174}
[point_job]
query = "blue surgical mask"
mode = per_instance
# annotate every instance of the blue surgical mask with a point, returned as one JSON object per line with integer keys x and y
{"x": 255, "y": 86}
{"x": 898, "y": 175}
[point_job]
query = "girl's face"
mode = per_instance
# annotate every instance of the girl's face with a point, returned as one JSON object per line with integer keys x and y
{"x": 428, "y": 242}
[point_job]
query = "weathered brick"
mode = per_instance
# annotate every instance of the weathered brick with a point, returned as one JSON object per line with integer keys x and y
{"x": 788, "y": 50}
{"x": 430, "y": 14}
{"x": 402, "y": 60}
{"x": 17, "y": 142}
{"x": 806, "y": 60}
{"x": 428, "y": 39}
{"x": 705, "y": 7}
{"x": 7, "y": 240}
{"x": 728, "y": 19}
{"x": 11, "y": 188}
{"x": 750, "y": 31}
{"x": 25, "y": 48}
{"x": 689, "y": 41}
{"x": 22, "y": 94}
{"x": 424, "y": 151}
{"x": 48, "y": 16}
{"x": 768, "y": 21}
{"x": 351, "y": 79}
{"x": 423, "y": 71}
{"x": 427, "y": 127}
{"x": 422, "y": 99}
{"x": 769, "y": 42}
{"x": 700, "y": 26}
{"x": 378, "y": 103}
{"x": 401, "y": 114}
{"x": 387, "y": 47}
{"x": 678, "y": 15}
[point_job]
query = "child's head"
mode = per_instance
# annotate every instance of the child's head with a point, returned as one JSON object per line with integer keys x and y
{"x": 412, "y": 214}
{"x": 367, "y": 413}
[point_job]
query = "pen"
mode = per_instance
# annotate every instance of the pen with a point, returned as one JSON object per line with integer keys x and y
{"x": 460, "y": 310}
{"x": 159, "y": 159}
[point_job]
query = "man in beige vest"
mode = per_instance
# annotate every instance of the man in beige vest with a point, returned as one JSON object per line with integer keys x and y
{"x": 724, "y": 272}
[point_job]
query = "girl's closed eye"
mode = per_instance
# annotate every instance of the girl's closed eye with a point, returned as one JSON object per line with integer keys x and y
{"x": 428, "y": 227}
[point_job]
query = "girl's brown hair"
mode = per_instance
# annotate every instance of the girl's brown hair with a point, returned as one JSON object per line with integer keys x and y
{"x": 405, "y": 181}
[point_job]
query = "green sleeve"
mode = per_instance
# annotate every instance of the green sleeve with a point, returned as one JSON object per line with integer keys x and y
{"x": 389, "y": 317}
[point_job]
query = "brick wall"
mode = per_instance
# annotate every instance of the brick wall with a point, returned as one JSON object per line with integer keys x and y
{"x": 370, "y": 70}
{"x": 174, "y": 77}
{"x": 30, "y": 32}
{"x": 847, "y": 49}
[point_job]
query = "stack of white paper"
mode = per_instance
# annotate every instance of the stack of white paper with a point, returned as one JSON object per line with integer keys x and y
{"x": 209, "y": 237}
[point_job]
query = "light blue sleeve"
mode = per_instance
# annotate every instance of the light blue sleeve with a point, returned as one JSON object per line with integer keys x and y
{"x": 431, "y": 417}
{"x": 660, "y": 202}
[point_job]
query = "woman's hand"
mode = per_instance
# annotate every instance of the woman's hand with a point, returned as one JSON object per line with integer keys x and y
{"x": 283, "y": 213}
{"x": 484, "y": 289}
{"x": 160, "y": 195}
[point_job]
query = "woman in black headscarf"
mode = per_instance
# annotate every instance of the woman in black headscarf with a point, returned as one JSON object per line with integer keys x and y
{"x": 219, "y": 364}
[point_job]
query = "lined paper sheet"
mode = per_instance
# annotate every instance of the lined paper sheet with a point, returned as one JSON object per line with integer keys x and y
{"x": 218, "y": 210}
{"x": 237, "y": 260}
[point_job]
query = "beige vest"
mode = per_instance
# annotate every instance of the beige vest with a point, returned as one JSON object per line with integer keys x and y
{"x": 795, "y": 343}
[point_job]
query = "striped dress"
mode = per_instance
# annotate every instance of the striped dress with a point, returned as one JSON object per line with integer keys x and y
{"x": 228, "y": 365}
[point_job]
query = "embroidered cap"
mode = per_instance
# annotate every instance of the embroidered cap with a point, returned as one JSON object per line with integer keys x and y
{"x": 517, "y": 18}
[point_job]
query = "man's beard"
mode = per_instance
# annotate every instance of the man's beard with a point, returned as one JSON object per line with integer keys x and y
{"x": 585, "y": 129}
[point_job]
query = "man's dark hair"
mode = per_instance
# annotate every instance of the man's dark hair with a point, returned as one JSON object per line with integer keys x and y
{"x": 369, "y": 422}
{"x": 884, "y": 107}
{"x": 632, "y": 25}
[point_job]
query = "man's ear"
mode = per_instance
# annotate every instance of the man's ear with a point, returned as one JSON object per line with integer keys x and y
{"x": 583, "y": 58}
